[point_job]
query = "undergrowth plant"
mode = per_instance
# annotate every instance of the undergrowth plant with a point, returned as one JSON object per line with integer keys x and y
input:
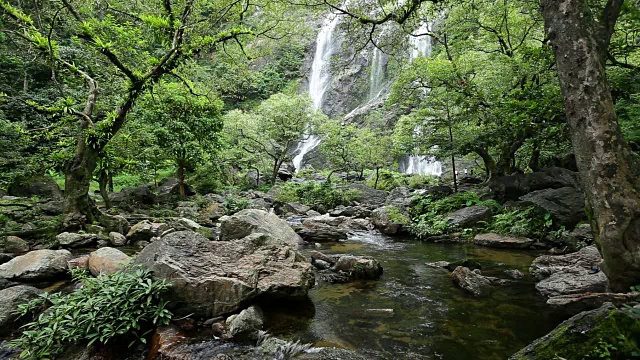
{"x": 125, "y": 305}
{"x": 319, "y": 196}
{"x": 530, "y": 222}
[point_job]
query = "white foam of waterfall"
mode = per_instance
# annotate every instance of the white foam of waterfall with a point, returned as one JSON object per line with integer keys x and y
{"x": 419, "y": 42}
{"x": 420, "y": 164}
{"x": 318, "y": 82}
{"x": 376, "y": 77}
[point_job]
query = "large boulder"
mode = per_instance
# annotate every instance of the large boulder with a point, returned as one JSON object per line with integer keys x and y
{"x": 575, "y": 303}
{"x": 145, "y": 230}
{"x": 10, "y": 298}
{"x": 470, "y": 217}
{"x": 74, "y": 240}
{"x": 117, "y": 239}
{"x": 351, "y": 211}
{"x": 546, "y": 265}
{"x": 134, "y": 197}
{"x": 171, "y": 186}
{"x": 569, "y": 274}
{"x": 473, "y": 281}
{"x": 359, "y": 267}
{"x": 581, "y": 336}
{"x": 514, "y": 186}
{"x": 316, "y": 230}
{"x": 251, "y": 221}
{"x": 41, "y": 186}
{"x": 400, "y": 198}
{"x": 246, "y": 325}
{"x": 211, "y": 278}
{"x": 566, "y": 205}
{"x": 389, "y": 220}
{"x": 502, "y": 242}
{"x": 369, "y": 196}
{"x": 36, "y": 265}
{"x": 107, "y": 260}
{"x": 15, "y": 245}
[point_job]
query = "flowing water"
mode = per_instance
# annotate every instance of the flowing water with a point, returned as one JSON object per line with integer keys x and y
{"x": 415, "y": 311}
{"x": 377, "y": 75}
{"x": 319, "y": 81}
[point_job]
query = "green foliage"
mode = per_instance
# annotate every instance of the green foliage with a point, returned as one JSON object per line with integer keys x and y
{"x": 530, "y": 222}
{"x": 427, "y": 225}
{"x": 396, "y": 216}
{"x": 319, "y": 196}
{"x": 125, "y": 305}
{"x": 233, "y": 204}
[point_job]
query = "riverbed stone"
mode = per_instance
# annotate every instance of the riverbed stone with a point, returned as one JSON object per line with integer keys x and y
{"x": 544, "y": 266}
{"x": 244, "y": 327}
{"x": 117, "y": 239}
{"x": 215, "y": 278}
{"x": 15, "y": 245}
{"x": 473, "y": 281}
{"x": 75, "y": 240}
{"x": 470, "y": 217}
{"x": 359, "y": 267}
{"x": 36, "y": 265}
{"x": 577, "y": 337}
{"x": 502, "y": 241}
{"x": 107, "y": 260}
{"x": 389, "y": 220}
{"x": 145, "y": 230}
{"x": 566, "y": 205}
{"x": 10, "y": 298}
{"x": 573, "y": 280}
{"x": 249, "y": 221}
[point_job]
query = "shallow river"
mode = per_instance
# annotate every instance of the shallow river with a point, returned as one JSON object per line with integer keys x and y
{"x": 431, "y": 318}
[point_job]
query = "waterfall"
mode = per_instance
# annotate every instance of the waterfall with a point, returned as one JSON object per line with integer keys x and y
{"x": 420, "y": 164}
{"x": 318, "y": 82}
{"x": 376, "y": 78}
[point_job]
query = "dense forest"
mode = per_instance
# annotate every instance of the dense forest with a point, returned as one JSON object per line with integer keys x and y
{"x": 276, "y": 179}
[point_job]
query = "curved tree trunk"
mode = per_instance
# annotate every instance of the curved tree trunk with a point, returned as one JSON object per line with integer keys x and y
{"x": 103, "y": 181}
{"x": 608, "y": 169}
{"x": 79, "y": 209}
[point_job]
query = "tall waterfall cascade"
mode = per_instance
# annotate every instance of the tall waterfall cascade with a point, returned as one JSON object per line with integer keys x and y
{"x": 377, "y": 76}
{"x": 319, "y": 81}
{"x": 421, "y": 46}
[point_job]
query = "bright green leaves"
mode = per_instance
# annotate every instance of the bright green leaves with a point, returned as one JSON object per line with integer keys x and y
{"x": 15, "y": 12}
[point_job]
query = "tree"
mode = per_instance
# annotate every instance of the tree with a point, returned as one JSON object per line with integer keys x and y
{"x": 134, "y": 45}
{"x": 185, "y": 125}
{"x": 338, "y": 145}
{"x": 273, "y": 128}
{"x": 609, "y": 170}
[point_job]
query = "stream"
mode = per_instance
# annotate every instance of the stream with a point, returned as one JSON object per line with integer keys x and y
{"x": 431, "y": 318}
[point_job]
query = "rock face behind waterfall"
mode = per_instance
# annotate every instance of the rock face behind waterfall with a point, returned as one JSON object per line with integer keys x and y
{"x": 211, "y": 278}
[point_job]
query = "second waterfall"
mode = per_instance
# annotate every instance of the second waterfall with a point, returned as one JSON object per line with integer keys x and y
{"x": 319, "y": 82}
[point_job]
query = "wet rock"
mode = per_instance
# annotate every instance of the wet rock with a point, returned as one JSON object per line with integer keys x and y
{"x": 577, "y": 337}
{"x": 134, "y": 197}
{"x": 331, "y": 354}
{"x": 145, "y": 230}
{"x": 470, "y": 217}
{"x": 514, "y": 274}
{"x": 251, "y": 221}
{"x": 573, "y": 280}
{"x": 117, "y": 239}
{"x": 389, "y": 220}
{"x": 314, "y": 230}
{"x": 10, "y": 298}
{"x": 107, "y": 260}
{"x": 15, "y": 245}
{"x": 5, "y": 257}
{"x": 512, "y": 187}
{"x": 245, "y": 326}
{"x": 164, "y": 339}
{"x": 359, "y": 267}
{"x": 572, "y": 241}
{"x": 468, "y": 263}
{"x": 75, "y": 240}
{"x": 400, "y": 198}
{"x": 290, "y": 208}
{"x": 81, "y": 262}
{"x": 575, "y": 303}
{"x": 438, "y": 264}
{"x": 214, "y": 278}
{"x": 351, "y": 211}
{"x": 544, "y": 266}
{"x": 473, "y": 282}
{"x": 4, "y": 283}
{"x": 369, "y": 196}
{"x": 41, "y": 186}
{"x": 321, "y": 265}
{"x": 316, "y": 255}
{"x": 36, "y": 265}
{"x": 502, "y": 242}
{"x": 566, "y": 204}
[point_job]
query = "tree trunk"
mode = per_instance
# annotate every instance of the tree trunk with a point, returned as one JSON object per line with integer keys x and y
{"x": 453, "y": 161}
{"x": 103, "y": 181}
{"x": 608, "y": 169}
{"x": 375, "y": 185}
{"x": 79, "y": 209}
{"x": 181, "y": 166}
{"x": 534, "y": 161}
{"x": 489, "y": 163}
{"x": 111, "y": 181}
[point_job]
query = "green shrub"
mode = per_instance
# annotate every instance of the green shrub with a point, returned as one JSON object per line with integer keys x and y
{"x": 396, "y": 216}
{"x": 319, "y": 196}
{"x": 530, "y": 222}
{"x": 125, "y": 305}
{"x": 428, "y": 225}
{"x": 421, "y": 181}
{"x": 387, "y": 180}
{"x": 233, "y": 204}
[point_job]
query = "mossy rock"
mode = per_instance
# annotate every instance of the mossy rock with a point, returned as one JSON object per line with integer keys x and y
{"x": 604, "y": 333}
